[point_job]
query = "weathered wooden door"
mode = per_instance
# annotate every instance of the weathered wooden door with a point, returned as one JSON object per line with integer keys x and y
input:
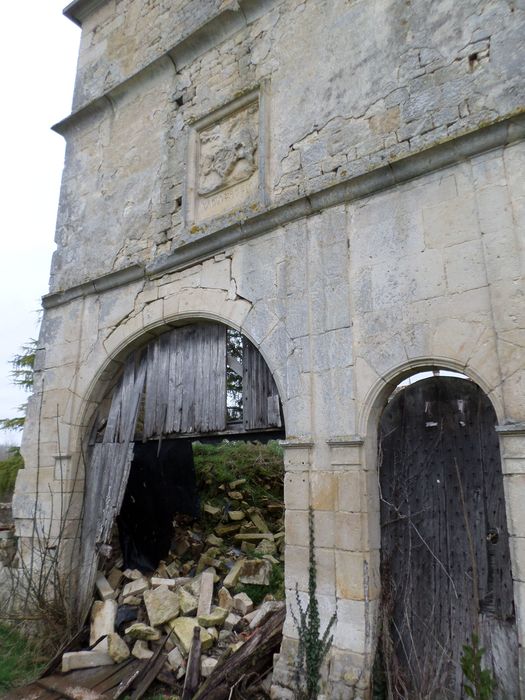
{"x": 444, "y": 545}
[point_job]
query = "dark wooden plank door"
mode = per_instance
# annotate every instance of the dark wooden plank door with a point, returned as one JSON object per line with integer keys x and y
{"x": 445, "y": 558}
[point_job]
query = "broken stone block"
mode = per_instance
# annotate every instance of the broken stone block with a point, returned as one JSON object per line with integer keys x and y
{"x": 85, "y": 659}
{"x": 231, "y": 621}
{"x": 271, "y": 559}
{"x": 235, "y": 484}
{"x": 249, "y": 617}
{"x": 132, "y": 574}
{"x": 132, "y": 600}
{"x": 215, "y": 618}
{"x": 256, "y": 571}
{"x": 205, "y": 593}
{"x": 161, "y": 605}
{"x": 103, "y": 614}
{"x": 156, "y": 581}
{"x": 188, "y": 604}
{"x": 207, "y": 559}
{"x": 225, "y": 599}
{"x": 214, "y": 633}
{"x": 259, "y": 521}
{"x": 173, "y": 570}
{"x": 253, "y": 536}
{"x": 248, "y": 548}
{"x": 232, "y": 578}
{"x": 224, "y": 635}
{"x": 211, "y": 510}
{"x": 207, "y": 666}
{"x": 242, "y": 603}
{"x": 117, "y": 648}
{"x": 104, "y": 590}
{"x": 135, "y": 587}
{"x": 236, "y": 646}
{"x": 229, "y": 529}
{"x": 182, "y": 628}
{"x": 175, "y": 660}
{"x": 141, "y": 650}
{"x": 235, "y": 495}
{"x": 236, "y": 515}
{"x": 264, "y": 612}
{"x": 115, "y": 577}
{"x": 214, "y": 541}
{"x": 266, "y": 547}
{"x": 141, "y": 631}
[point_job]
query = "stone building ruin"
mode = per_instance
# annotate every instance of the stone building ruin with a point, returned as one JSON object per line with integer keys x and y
{"x": 341, "y": 181}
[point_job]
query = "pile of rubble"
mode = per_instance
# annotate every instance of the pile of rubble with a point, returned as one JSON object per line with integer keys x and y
{"x": 235, "y": 548}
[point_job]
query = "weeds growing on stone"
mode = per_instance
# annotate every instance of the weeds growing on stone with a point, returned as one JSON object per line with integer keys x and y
{"x": 312, "y": 648}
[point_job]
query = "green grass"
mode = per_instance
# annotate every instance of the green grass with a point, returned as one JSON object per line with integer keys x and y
{"x": 19, "y": 662}
{"x": 261, "y": 466}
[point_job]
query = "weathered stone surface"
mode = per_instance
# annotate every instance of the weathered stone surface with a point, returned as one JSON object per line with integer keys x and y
{"x": 242, "y": 603}
{"x": 176, "y": 662}
{"x": 135, "y": 587}
{"x": 156, "y": 581}
{"x": 161, "y": 604}
{"x": 117, "y": 648}
{"x": 215, "y": 618}
{"x": 225, "y": 599}
{"x": 205, "y": 593}
{"x": 187, "y": 602}
{"x": 264, "y": 612}
{"x": 85, "y": 659}
{"x": 236, "y": 515}
{"x": 141, "y": 650}
{"x": 256, "y": 571}
{"x": 207, "y": 666}
{"x": 266, "y": 547}
{"x": 182, "y": 628}
{"x": 233, "y": 576}
{"x": 104, "y": 589}
{"x": 103, "y": 614}
{"x": 141, "y": 631}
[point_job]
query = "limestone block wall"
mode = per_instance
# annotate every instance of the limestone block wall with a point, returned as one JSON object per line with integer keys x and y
{"x": 368, "y": 238}
{"x": 341, "y": 305}
{"x": 352, "y": 106}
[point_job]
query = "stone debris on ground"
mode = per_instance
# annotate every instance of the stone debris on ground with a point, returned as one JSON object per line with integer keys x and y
{"x": 213, "y": 566}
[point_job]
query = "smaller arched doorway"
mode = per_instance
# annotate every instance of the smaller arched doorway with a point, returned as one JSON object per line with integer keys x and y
{"x": 445, "y": 560}
{"x": 195, "y": 381}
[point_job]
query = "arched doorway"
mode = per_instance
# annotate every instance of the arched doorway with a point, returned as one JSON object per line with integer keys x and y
{"x": 445, "y": 561}
{"x": 193, "y": 381}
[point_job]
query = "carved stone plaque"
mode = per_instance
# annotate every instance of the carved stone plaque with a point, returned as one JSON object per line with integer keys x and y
{"x": 225, "y": 169}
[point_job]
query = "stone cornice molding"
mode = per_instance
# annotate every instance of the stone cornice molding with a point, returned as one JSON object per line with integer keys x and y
{"x": 511, "y": 429}
{"x": 250, "y": 225}
{"x": 133, "y": 273}
{"x": 78, "y": 10}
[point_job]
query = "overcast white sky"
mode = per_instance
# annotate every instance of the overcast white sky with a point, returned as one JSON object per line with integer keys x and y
{"x": 38, "y": 54}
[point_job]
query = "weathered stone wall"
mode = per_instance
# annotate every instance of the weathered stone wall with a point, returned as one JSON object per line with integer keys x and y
{"x": 353, "y": 105}
{"x": 346, "y": 274}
